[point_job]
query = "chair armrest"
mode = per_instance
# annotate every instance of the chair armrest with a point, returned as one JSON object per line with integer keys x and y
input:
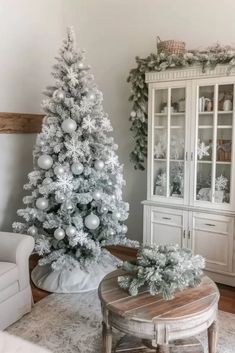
{"x": 17, "y": 248}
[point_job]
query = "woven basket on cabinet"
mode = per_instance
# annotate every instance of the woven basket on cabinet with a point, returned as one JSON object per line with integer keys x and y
{"x": 170, "y": 46}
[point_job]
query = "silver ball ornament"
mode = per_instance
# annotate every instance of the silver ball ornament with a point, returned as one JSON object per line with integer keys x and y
{"x": 70, "y": 231}
{"x": 47, "y": 181}
{"x": 109, "y": 183}
{"x": 59, "y": 198}
{"x": 115, "y": 147}
{"x": 32, "y": 231}
{"x": 112, "y": 232}
{"x": 133, "y": 114}
{"x": 81, "y": 65}
{"x": 42, "y": 203}
{"x": 124, "y": 228}
{"x": 97, "y": 195}
{"x": 99, "y": 165}
{"x": 69, "y": 125}
{"x": 58, "y": 95}
{"x": 92, "y": 221}
{"x": 69, "y": 205}
{"x": 77, "y": 168}
{"x": 116, "y": 215}
{"x": 59, "y": 170}
{"x": 104, "y": 209}
{"x": 45, "y": 161}
{"x": 91, "y": 96}
{"x": 59, "y": 234}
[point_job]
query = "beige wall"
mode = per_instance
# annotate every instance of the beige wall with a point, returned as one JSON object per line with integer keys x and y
{"x": 113, "y": 32}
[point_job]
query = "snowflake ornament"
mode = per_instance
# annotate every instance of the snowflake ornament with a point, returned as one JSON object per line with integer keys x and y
{"x": 72, "y": 76}
{"x": 221, "y": 182}
{"x": 202, "y": 150}
{"x": 65, "y": 183}
{"x": 112, "y": 161}
{"x": 89, "y": 124}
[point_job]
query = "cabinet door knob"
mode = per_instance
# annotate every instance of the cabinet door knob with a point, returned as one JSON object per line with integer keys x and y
{"x": 189, "y": 234}
{"x": 210, "y": 224}
{"x": 166, "y": 218}
{"x": 184, "y": 234}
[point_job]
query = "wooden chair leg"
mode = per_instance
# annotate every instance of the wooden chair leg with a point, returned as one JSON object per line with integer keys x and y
{"x": 107, "y": 338}
{"x": 212, "y": 337}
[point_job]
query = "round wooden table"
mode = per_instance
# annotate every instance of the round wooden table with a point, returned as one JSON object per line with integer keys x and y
{"x": 156, "y": 325}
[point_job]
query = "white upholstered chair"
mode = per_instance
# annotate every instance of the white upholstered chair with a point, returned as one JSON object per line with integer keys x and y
{"x": 15, "y": 290}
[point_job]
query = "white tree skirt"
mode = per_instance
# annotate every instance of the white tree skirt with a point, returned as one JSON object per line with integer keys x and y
{"x": 74, "y": 281}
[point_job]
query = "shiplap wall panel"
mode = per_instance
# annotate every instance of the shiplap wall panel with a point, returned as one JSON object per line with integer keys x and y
{"x": 21, "y": 123}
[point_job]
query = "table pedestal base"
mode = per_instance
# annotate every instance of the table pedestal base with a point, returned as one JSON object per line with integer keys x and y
{"x": 129, "y": 344}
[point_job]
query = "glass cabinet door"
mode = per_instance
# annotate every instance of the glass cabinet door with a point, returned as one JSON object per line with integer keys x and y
{"x": 214, "y": 143}
{"x": 169, "y": 142}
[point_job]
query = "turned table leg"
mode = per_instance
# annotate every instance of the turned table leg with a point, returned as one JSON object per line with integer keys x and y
{"x": 107, "y": 338}
{"x": 212, "y": 337}
{"x": 162, "y": 348}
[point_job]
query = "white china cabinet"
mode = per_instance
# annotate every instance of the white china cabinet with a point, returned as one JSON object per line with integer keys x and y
{"x": 191, "y": 164}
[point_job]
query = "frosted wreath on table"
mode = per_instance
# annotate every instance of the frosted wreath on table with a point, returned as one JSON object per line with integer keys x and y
{"x": 75, "y": 208}
{"x": 162, "y": 269}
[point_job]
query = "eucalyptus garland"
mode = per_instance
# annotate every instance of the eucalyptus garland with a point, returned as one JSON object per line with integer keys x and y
{"x": 160, "y": 62}
{"x": 162, "y": 269}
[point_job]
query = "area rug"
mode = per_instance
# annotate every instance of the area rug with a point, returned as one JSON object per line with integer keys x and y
{"x": 71, "y": 323}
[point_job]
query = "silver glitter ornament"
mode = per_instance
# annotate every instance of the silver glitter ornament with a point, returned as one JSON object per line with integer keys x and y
{"x": 70, "y": 231}
{"x": 33, "y": 231}
{"x": 42, "y": 203}
{"x": 59, "y": 234}
{"x": 99, "y": 165}
{"x": 97, "y": 195}
{"x": 116, "y": 215}
{"x": 124, "y": 228}
{"x": 59, "y": 170}
{"x": 77, "y": 168}
{"x": 69, "y": 125}
{"x": 92, "y": 221}
{"x": 58, "y": 95}
{"x": 45, "y": 161}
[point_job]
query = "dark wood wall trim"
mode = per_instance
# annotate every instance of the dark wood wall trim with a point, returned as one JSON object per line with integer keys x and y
{"x": 20, "y": 123}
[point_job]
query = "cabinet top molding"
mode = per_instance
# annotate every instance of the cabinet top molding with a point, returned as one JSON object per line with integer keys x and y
{"x": 189, "y": 73}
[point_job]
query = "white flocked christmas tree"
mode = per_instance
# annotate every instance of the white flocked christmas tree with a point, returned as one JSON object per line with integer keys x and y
{"x": 75, "y": 207}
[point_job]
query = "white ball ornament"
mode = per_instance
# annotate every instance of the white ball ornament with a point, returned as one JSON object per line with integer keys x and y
{"x": 115, "y": 147}
{"x": 116, "y": 215}
{"x": 109, "y": 182}
{"x": 97, "y": 195}
{"x": 69, "y": 125}
{"x": 133, "y": 114}
{"x": 59, "y": 170}
{"x": 70, "y": 231}
{"x": 69, "y": 205}
{"x": 59, "y": 234}
{"x": 99, "y": 165}
{"x": 58, "y": 95}
{"x": 45, "y": 161}
{"x": 32, "y": 231}
{"x": 124, "y": 228}
{"x": 91, "y": 96}
{"x": 92, "y": 221}
{"x": 104, "y": 209}
{"x": 42, "y": 203}
{"x": 77, "y": 168}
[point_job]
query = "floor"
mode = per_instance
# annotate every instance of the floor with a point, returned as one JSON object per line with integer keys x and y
{"x": 227, "y": 294}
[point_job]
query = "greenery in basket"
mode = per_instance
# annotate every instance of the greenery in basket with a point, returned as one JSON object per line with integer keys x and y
{"x": 162, "y": 269}
{"x": 160, "y": 62}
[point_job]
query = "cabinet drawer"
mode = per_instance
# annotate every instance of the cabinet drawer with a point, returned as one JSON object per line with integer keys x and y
{"x": 212, "y": 225}
{"x": 167, "y": 217}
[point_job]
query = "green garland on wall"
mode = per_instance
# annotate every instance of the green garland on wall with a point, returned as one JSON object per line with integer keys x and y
{"x": 160, "y": 62}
